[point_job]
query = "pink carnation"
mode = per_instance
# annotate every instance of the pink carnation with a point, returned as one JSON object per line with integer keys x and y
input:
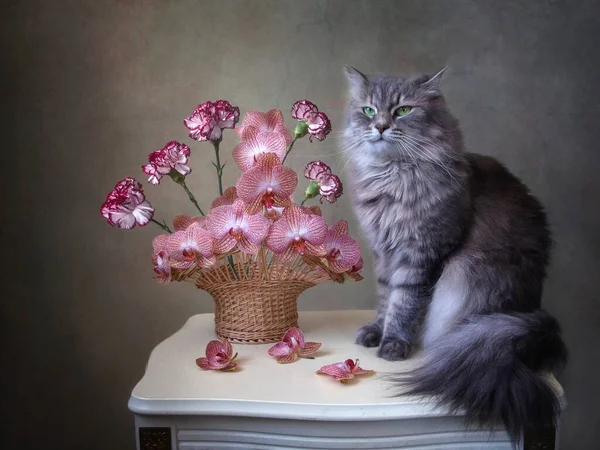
{"x": 265, "y": 122}
{"x": 267, "y": 184}
{"x": 126, "y": 205}
{"x": 297, "y": 233}
{"x": 173, "y": 156}
{"x": 230, "y": 225}
{"x": 318, "y": 123}
{"x": 254, "y": 144}
{"x": 342, "y": 251}
{"x": 330, "y": 186}
{"x": 209, "y": 119}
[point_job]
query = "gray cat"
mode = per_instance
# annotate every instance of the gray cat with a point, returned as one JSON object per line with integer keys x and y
{"x": 460, "y": 250}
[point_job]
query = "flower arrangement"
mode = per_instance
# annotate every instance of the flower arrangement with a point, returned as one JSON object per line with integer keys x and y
{"x": 254, "y": 250}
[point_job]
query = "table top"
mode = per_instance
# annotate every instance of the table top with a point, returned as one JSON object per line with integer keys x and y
{"x": 174, "y": 385}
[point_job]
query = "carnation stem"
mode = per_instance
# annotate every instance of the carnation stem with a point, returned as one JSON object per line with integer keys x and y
{"x": 163, "y": 226}
{"x": 191, "y": 196}
{"x": 218, "y": 166}
{"x": 289, "y": 149}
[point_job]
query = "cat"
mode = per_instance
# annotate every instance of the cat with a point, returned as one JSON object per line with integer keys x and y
{"x": 460, "y": 249}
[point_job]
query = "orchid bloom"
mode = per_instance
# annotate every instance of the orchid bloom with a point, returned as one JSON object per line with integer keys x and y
{"x": 343, "y": 371}
{"x": 173, "y": 156}
{"x": 354, "y": 271}
{"x": 292, "y": 347}
{"x": 230, "y": 225}
{"x": 209, "y": 119}
{"x": 297, "y": 232}
{"x": 182, "y": 222}
{"x": 268, "y": 184}
{"x": 162, "y": 268}
{"x": 254, "y": 144}
{"x": 228, "y": 197}
{"x": 342, "y": 251}
{"x": 265, "y": 122}
{"x": 189, "y": 246}
{"x": 126, "y": 205}
{"x": 219, "y": 356}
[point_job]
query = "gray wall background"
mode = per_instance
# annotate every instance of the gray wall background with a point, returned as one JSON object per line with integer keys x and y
{"x": 90, "y": 88}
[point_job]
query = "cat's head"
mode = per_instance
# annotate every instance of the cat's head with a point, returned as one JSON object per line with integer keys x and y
{"x": 399, "y": 119}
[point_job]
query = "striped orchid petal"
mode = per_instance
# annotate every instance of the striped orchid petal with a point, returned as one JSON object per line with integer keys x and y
{"x": 219, "y": 356}
{"x": 342, "y": 251}
{"x": 292, "y": 347}
{"x": 191, "y": 246}
{"x": 255, "y": 143}
{"x": 182, "y": 222}
{"x": 343, "y": 371}
{"x": 228, "y": 197}
{"x": 299, "y": 232}
{"x": 270, "y": 122}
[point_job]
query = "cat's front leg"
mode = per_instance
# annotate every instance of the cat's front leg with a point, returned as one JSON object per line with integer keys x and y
{"x": 406, "y": 304}
{"x": 370, "y": 334}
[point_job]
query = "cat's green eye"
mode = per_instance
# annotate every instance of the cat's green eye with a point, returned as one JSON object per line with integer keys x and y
{"x": 369, "y": 112}
{"x": 403, "y": 110}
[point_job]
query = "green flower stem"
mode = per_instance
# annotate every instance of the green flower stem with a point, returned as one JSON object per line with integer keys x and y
{"x": 191, "y": 196}
{"x": 162, "y": 225}
{"x": 289, "y": 149}
{"x": 218, "y": 166}
{"x": 304, "y": 201}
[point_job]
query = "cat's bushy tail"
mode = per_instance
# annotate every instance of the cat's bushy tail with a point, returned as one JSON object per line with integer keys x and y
{"x": 489, "y": 368}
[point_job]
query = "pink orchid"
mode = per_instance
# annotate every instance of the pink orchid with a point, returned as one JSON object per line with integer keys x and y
{"x": 219, "y": 356}
{"x": 268, "y": 184}
{"x": 126, "y": 205}
{"x": 265, "y": 122}
{"x": 256, "y": 143}
{"x": 228, "y": 197}
{"x": 162, "y": 268}
{"x": 182, "y": 222}
{"x": 342, "y": 251}
{"x": 343, "y": 371}
{"x": 209, "y": 119}
{"x": 297, "y": 233}
{"x": 330, "y": 186}
{"x": 354, "y": 271}
{"x": 293, "y": 346}
{"x": 230, "y": 225}
{"x": 173, "y": 156}
{"x": 192, "y": 245}
{"x": 317, "y": 123}
{"x": 273, "y": 213}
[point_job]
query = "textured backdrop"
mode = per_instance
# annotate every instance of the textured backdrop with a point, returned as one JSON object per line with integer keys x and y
{"x": 91, "y": 87}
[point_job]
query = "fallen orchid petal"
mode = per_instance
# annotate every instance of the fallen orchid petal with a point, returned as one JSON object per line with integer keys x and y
{"x": 344, "y": 370}
{"x": 293, "y": 346}
{"x": 219, "y": 356}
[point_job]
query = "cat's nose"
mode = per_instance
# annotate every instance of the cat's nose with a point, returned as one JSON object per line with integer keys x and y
{"x": 382, "y": 127}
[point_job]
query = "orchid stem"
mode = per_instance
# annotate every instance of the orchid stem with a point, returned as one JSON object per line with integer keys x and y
{"x": 191, "y": 196}
{"x": 162, "y": 225}
{"x": 218, "y": 166}
{"x": 289, "y": 149}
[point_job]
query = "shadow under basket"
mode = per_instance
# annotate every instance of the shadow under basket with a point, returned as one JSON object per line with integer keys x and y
{"x": 256, "y": 312}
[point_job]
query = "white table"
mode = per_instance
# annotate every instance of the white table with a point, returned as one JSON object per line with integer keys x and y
{"x": 265, "y": 405}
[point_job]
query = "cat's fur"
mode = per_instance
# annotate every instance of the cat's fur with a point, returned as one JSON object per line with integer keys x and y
{"x": 460, "y": 249}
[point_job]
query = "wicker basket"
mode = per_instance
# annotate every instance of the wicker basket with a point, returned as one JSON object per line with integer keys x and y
{"x": 256, "y": 297}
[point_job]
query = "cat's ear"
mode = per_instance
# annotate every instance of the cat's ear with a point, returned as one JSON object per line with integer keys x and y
{"x": 431, "y": 83}
{"x": 357, "y": 81}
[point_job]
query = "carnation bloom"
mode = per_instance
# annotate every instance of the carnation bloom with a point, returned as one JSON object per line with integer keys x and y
{"x": 293, "y": 346}
{"x": 343, "y": 371}
{"x": 126, "y": 205}
{"x": 297, "y": 232}
{"x": 162, "y": 268}
{"x": 254, "y": 144}
{"x": 268, "y": 184}
{"x": 209, "y": 119}
{"x": 192, "y": 245}
{"x": 228, "y": 197}
{"x": 342, "y": 251}
{"x": 230, "y": 225}
{"x": 265, "y": 122}
{"x": 219, "y": 356}
{"x": 173, "y": 156}
{"x": 329, "y": 185}
{"x": 317, "y": 123}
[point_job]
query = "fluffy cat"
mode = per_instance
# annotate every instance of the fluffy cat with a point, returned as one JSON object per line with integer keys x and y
{"x": 460, "y": 249}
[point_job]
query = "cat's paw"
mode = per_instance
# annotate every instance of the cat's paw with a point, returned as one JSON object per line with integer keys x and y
{"x": 369, "y": 335}
{"x": 394, "y": 349}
